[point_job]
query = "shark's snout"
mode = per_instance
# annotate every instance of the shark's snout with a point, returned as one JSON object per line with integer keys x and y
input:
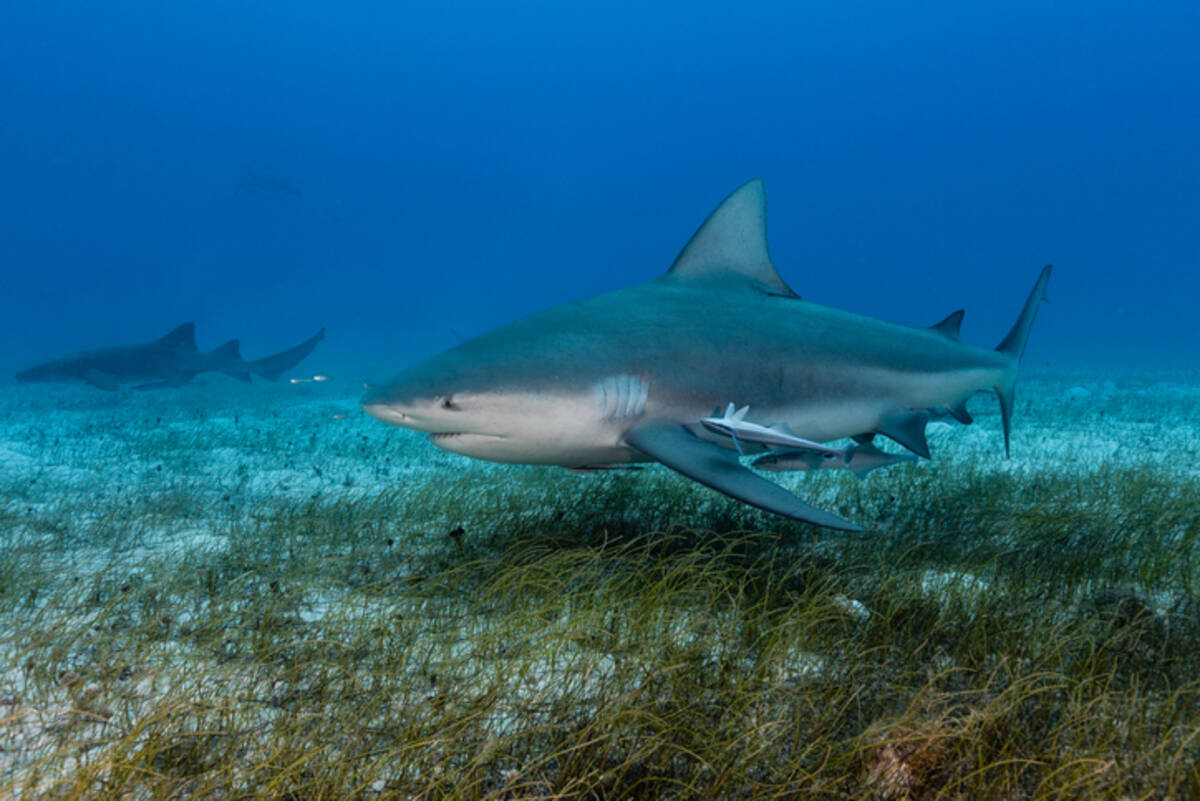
{"x": 386, "y": 414}
{"x": 38, "y": 373}
{"x": 398, "y": 406}
{"x": 379, "y": 403}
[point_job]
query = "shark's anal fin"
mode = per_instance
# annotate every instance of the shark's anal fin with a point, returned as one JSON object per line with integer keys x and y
{"x": 959, "y": 412}
{"x": 718, "y": 468}
{"x": 907, "y": 428}
{"x": 105, "y": 381}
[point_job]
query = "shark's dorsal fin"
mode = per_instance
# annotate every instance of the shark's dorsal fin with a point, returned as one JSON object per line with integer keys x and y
{"x": 230, "y": 350}
{"x": 951, "y": 326}
{"x": 182, "y": 337}
{"x": 733, "y": 241}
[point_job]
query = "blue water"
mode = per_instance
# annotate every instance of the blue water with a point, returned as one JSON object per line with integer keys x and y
{"x": 461, "y": 164}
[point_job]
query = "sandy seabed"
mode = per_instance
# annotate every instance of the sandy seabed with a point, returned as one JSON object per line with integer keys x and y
{"x": 99, "y": 484}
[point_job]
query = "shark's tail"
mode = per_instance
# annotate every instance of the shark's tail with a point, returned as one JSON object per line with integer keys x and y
{"x": 271, "y": 367}
{"x": 1013, "y": 346}
{"x": 228, "y": 360}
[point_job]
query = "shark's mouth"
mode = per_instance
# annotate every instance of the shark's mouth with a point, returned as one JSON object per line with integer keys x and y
{"x": 442, "y": 436}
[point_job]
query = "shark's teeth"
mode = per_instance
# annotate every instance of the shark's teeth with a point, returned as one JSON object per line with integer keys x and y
{"x": 621, "y": 396}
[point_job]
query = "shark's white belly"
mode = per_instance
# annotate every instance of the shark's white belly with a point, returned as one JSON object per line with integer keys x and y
{"x": 587, "y": 426}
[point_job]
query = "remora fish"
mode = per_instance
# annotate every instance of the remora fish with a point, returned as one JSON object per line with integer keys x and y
{"x": 170, "y": 361}
{"x": 734, "y": 425}
{"x": 858, "y": 458}
{"x": 627, "y": 376}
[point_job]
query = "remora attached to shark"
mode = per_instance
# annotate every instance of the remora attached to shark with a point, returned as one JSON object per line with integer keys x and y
{"x": 628, "y": 376}
{"x": 170, "y": 361}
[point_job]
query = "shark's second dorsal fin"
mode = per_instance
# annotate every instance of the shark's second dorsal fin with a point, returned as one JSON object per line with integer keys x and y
{"x": 230, "y": 350}
{"x": 951, "y": 326}
{"x": 733, "y": 241}
{"x": 182, "y": 337}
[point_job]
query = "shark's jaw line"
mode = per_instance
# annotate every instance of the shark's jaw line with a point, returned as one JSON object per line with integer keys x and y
{"x": 440, "y": 436}
{"x": 631, "y": 375}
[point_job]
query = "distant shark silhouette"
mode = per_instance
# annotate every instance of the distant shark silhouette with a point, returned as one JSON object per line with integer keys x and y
{"x": 168, "y": 362}
{"x": 632, "y": 375}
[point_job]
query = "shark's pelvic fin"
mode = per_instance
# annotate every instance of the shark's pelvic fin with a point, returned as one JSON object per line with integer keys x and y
{"x": 733, "y": 241}
{"x": 1013, "y": 346}
{"x": 182, "y": 337}
{"x": 718, "y": 468}
{"x": 105, "y": 381}
{"x": 907, "y": 428}
{"x": 170, "y": 383}
{"x": 951, "y": 326}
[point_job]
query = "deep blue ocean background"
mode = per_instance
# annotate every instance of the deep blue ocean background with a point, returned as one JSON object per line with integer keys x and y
{"x": 462, "y": 164}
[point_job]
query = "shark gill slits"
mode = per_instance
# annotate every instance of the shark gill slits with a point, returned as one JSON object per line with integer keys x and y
{"x": 621, "y": 396}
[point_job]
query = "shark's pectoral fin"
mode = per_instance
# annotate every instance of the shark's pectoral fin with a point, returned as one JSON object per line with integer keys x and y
{"x": 718, "y": 468}
{"x": 170, "y": 383}
{"x": 105, "y": 381}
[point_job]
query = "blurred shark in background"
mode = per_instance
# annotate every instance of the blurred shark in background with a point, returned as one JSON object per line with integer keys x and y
{"x": 170, "y": 361}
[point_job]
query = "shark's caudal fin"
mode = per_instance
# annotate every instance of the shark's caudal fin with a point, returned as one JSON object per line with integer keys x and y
{"x": 1013, "y": 346}
{"x": 271, "y": 367}
{"x": 182, "y": 337}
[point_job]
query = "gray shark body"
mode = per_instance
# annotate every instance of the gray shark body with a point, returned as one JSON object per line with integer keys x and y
{"x": 170, "y": 361}
{"x": 627, "y": 376}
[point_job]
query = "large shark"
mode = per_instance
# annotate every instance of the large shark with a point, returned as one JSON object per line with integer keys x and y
{"x": 170, "y": 361}
{"x": 628, "y": 376}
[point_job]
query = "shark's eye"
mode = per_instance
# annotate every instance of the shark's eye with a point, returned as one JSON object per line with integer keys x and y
{"x": 448, "y": 403}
